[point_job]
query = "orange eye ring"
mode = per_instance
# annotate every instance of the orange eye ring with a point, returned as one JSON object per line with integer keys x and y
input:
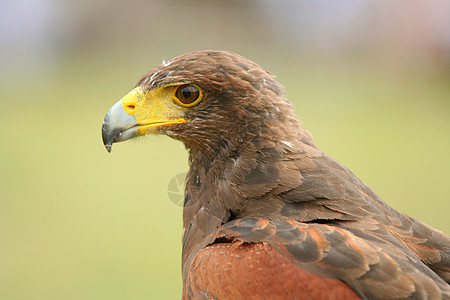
{"x": 188, "y": 95}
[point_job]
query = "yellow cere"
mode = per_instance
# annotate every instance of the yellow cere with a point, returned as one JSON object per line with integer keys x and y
{"x": 153, "y": 108}
{"x": 129, "y": 100}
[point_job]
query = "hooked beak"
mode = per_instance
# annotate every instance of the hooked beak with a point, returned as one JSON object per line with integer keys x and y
{"x": 118, "y": 126}
{"x": 130, "y": 117}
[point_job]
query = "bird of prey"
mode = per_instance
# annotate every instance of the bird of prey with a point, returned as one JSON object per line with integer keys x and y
{"x": 267, "y": 215}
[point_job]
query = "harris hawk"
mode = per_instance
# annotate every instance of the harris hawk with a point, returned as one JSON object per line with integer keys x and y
{"x": 267, "y": 215}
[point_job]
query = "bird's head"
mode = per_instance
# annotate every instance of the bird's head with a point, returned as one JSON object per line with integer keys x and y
{"x": 205, "y": 99}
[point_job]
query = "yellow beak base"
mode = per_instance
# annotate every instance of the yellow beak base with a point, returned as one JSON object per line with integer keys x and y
{"x": 137, "y": 114}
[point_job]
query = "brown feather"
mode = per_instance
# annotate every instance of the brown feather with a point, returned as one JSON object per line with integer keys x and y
{"x": 256, "y": 271}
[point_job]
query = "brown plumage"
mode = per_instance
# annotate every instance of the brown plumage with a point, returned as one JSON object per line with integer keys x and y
{"x": 267, "y": 215}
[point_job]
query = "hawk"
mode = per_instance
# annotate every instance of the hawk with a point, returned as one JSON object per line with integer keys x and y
{"x": 267, "y": 215}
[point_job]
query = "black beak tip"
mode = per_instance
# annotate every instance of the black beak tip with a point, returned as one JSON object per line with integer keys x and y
{"x": 107, "y": 135}
{"x": 108, "y": 148}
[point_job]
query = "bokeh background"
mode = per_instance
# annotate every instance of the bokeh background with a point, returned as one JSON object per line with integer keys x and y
{"x": 370, "y": 79}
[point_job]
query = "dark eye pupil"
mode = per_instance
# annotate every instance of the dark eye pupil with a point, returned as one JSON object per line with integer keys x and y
{"x": 187, "y": 94}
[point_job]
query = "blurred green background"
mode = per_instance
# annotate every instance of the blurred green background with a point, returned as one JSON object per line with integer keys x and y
{"x": 369, "y": 79}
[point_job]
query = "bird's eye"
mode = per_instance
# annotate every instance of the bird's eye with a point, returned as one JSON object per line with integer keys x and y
{"x": 187, "y": 94}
